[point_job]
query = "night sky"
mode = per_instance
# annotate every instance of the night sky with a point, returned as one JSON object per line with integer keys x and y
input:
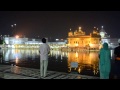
{"x": 57, "y": 24}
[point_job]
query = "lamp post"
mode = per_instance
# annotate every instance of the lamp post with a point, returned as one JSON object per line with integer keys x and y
{"x": 13, "y": 29}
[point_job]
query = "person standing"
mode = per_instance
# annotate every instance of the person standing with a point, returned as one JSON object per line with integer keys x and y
{"x": 44, "y": 52}
{"x": 117, "y": 61}
{"x": 104, "y": 62}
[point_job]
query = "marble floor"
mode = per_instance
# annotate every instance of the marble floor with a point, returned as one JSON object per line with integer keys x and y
{"x": 15, "y": 72}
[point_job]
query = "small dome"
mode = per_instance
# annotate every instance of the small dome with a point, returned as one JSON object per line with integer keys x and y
{"x": 102, "y": 30}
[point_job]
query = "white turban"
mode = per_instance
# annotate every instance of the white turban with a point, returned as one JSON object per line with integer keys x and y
{"x": 118, "y": 40}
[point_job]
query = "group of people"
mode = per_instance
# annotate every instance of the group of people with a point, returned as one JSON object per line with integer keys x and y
{"x": 104, "y": 60}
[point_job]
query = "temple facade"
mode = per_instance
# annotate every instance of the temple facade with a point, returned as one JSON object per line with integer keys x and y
{"x": 79, "y": 39}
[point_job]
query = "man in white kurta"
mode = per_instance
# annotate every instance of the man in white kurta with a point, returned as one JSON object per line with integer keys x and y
{"x": 44, "y": 51}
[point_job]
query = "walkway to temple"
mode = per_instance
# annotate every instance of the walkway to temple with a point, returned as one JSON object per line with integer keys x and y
{"x": 15, "y": 72}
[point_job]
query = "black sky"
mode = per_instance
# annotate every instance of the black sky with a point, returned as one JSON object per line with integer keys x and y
{"x": 56, "y": 24}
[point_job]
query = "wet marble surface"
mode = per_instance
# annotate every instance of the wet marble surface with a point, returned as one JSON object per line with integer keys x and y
{"x": 15, "y": 72}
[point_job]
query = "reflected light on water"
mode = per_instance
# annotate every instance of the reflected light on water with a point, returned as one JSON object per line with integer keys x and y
{"x": 85, "y": 60}
{"x": 58, "y": 60}
{"x": 16, "y": 60}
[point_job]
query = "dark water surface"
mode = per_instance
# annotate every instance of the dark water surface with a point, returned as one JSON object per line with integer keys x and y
{"x": 58, "y": 61}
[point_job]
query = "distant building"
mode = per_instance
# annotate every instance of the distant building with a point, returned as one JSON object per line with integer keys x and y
{"x": 78, "y": 38}
{"x": 23, "y": 42}
{"x": 112, "y": 42}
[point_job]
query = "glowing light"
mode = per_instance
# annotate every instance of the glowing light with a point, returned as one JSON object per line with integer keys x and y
{"x": 102, "y": 26}
{"x": 16, "y": 60}
{"x": 11, "y": 25}
{"x": 17, "y": 36}
{"x": 76, "y": 44}
{"x": 102, "y": 34}
{"x": 79, "y": 70}
{"x": 76, "y": 54}
{"x": 79, "y": 28}
{"x": 57, "y": 39}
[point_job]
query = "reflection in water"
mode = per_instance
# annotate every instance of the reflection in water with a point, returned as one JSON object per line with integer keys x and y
{"x": 15, "y": 54}
{"x": 86, "y": 61}
{"x": 58, "y": 61}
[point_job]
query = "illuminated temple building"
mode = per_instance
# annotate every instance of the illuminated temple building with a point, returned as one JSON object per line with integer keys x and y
{"x": 79, "y": 39}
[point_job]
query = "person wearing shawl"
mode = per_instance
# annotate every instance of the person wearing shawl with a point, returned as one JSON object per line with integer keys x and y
{"x": 104, "y": 62}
